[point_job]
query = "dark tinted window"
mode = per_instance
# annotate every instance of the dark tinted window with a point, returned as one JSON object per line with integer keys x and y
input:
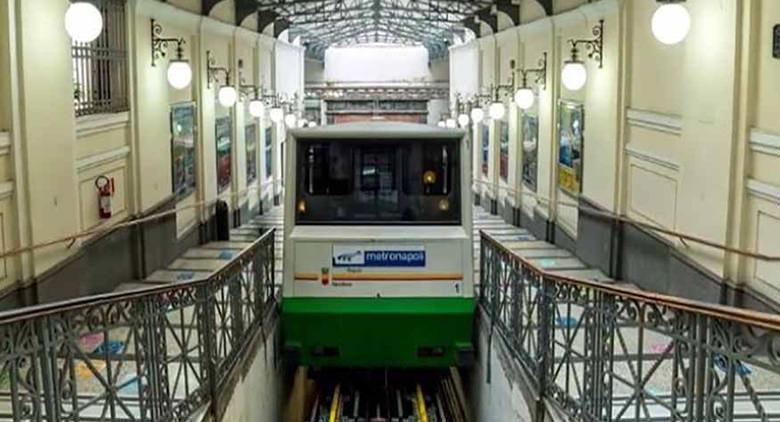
{"x": 378, "y": 182}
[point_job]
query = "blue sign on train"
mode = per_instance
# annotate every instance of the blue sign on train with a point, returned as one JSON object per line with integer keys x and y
{"x": 378, "y": 256}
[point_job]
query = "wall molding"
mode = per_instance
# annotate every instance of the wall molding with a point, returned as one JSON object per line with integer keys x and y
{"x": 91, "y": 125}
{"x": 764, "y": 190}
{"x": 5, "y": 143}
{"x": 659, "y": 122}
{"x": 6, "y": 190}
{"x": 95, "y": 160}
{"x": 766, "y": 142}
{"x": 652, "y": 158}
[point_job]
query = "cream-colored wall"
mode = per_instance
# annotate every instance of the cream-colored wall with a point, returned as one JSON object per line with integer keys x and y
{"x": 683, "y": 136}
{"x": 49, "y": 159}
{"x": 47, "y": 131}
{"x": 760, "y": 229}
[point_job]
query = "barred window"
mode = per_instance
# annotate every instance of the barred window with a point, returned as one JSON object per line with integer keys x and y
{"x": 100, "y": 70}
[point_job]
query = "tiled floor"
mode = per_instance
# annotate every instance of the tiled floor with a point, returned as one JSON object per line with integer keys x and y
{"x": 201, "y": 261}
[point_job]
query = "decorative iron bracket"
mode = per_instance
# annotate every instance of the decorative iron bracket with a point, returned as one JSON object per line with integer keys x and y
{"x": 212, "y": 70}
{"x": 160, "y": 44}
{"x": 540, "y": 72}
{"x": 594, "y": 46}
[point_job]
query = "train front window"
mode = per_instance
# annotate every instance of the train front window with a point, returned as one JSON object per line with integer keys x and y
{"x": 378, "y": 182}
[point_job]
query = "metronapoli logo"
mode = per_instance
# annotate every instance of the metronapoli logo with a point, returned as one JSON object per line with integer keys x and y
{"x": 378, "y": 256}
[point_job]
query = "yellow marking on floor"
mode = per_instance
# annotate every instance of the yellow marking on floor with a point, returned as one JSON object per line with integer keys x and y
{"x": 422, "y": 413}
{"x": 335, "y": 404}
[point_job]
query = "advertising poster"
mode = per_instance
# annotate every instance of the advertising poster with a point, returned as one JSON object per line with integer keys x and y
{"x": 571, "y": 124}
{"x": 503, "y": 163}
{"x": 183, "y": 134}
{"x": 530, "y": 129}
{"x": 250, "y": 140}
{"x": 224, "y": 153}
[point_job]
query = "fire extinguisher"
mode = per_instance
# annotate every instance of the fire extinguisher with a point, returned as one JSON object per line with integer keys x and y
{"x": 105, "y": 188}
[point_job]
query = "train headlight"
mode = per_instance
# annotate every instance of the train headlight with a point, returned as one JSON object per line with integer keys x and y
{"x": 302, "y": 206}
{"x": 444, "y": 205}
{"x": 429, "y": 177}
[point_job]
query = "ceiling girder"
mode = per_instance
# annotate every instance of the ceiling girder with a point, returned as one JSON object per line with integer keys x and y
{"x": 244, "y": 8}
{"x": 206, "y": 6}
{"x": 547, "y": 5}
{"x": 431, "y": 23}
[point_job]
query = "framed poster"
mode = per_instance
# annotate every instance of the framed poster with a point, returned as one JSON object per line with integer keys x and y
{"x": 530, "y": 130}
{"x": 224, "y": 153}
{"x": 503, "y": 161}
{"x": 485, "y": 147}
{"x": 268, "y": 152}
{"x": 250, "y": 141}
{"x": 571, "y": 124}
{"x": 183, "y": 133}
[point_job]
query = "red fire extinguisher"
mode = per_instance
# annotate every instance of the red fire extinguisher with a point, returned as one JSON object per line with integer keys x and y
{"x": 105, "y": 188}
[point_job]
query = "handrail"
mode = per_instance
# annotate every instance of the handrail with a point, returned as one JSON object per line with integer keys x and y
{"x": 28, "y": 312}
{"x": 609, "y": 215}
{"x": 762, "y": 319}
{"x": 602, "y": 353}
{"x": 155, "y": 354}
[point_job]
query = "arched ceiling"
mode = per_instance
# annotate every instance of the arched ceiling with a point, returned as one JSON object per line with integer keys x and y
{"x": 324, "y": 23}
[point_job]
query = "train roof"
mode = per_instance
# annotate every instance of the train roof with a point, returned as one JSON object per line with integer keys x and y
{"x": 377, "y": 130}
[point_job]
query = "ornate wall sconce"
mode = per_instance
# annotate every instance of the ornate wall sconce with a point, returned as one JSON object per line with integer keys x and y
{"x": 179, "y": 70}
{"x": 524, "y": 96}
{"x": 227, "y": 94}
{"x": 574, "y": 73}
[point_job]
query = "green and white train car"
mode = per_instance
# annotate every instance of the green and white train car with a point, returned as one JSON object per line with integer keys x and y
{"x": 378, "y": 253}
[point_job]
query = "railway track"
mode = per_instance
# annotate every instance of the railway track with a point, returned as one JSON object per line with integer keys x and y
{"x": 409, "y": 396}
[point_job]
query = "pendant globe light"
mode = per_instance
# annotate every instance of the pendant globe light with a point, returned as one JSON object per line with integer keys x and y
{"x": 671, "y": 22}
{"x": 83, "y": 21}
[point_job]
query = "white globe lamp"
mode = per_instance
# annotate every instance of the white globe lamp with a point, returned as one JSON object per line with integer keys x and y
{"x": 463, "y": 120}
{"x": 497, "y": 111}
{"x": 227, "y": 96}
{"x": 441, "y": 124}
{"x": 671, "y": 23}
{"x": 290, "y": 120}
{"x": 83, "y": 21}
{"x": 451, "y": 123}
{"x": 179, "y": 74}
{"x": 574, "y": 75}
{"x": 312, "y": 124}
{"x": 276, "y": 114}
{"x": 524, "y": 98}
{"x": 477, "y": 114}
{"x": 256, "y": 108}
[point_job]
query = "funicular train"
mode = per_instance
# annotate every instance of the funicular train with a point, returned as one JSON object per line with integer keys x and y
{"x": 378, "y": 258}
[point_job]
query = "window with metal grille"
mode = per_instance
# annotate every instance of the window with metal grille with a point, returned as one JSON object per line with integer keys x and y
{"x": 100, "y": 67}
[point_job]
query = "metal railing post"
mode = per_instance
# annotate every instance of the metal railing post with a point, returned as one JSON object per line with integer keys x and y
{"x": 47, "y": 356}
{"x": 207, "y": 335}
{"x": 544, "y": 356}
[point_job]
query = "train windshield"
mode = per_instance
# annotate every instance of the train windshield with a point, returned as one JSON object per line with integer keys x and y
{"x": 378, "y": 182}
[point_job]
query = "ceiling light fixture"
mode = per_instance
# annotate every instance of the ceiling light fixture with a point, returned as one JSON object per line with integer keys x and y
{"x": 227, "y": 94}
{"x": 574, "y": 73}
{"x": 83, "y": 21}
{"x": 671, "y": 22}
{"x": 524, "y": 96}
{"x": 179, "y": 70}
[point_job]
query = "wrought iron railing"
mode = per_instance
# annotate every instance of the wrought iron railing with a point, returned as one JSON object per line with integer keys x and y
{"x": 597, "y": 352}
{"x": 161, "y": 354}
